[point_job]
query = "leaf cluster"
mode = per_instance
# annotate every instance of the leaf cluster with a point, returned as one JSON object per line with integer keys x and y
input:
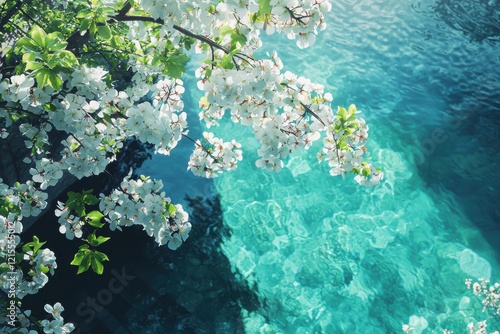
{"x": 46, "y": 57}
{"x": 87, "y": 257}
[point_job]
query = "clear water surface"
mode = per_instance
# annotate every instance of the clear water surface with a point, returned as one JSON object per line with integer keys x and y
{"x": 329, "y": 256}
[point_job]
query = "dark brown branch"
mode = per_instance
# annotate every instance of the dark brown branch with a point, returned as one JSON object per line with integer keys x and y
{"x": 125, "y": 9}
{"x": 309, "y": 111}
{"x": 10, "y": 13}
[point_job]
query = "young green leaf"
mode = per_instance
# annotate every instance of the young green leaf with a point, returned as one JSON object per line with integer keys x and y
{"x": 101, "y": 240}
{"x": 227, "y": 62}
{"x": 37, "y": 244}
{"x": 104, "y": 32}
{"x": 97, "y": 265}
{"x": 171, "y": 209}
{"x": 101, "y": 256}
{"x": 78, "y": 258}
{"x": 94, "y": 219}
{"x": 44, "y": 269}
{"x": 264, "y": 7}
{"x": 39, "y": 36}
{"x": 47, "y": 77}
{"x": 85, "y": 263}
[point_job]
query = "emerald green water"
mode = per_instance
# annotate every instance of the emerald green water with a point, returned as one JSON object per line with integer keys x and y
{"x": 325, "y": 255}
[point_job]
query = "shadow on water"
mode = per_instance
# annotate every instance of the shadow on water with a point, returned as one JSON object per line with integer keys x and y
{"x": 146, "y": 288}
{"x": 478, "y": 19}
{"x": 462, "y": 155}
{"x": 461, "y": 151}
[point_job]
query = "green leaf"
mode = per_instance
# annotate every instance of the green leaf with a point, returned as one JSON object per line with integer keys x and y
{"x": 34, "y": 245}
{"x": 78, "y": 258}
{"x": 352, "y": 112}
{"x": 44, "y": 269}
{"x": 88, "y": 198}
{"x": 39, "y": 36}
{"x": 7, "y": 207}
{"x": 37, "y": 244}
{"x": 19, "y": 257}
{"x": 74, "y": 200}
{"x": 85, "y": 24}
{"x": 101, "y": 256}
{"x": 97, "y": 266}
{"x": 237, "y": 40}
{"x": 77, "y": 201}
{"x": 171, "y": 209}
{"x": 264, "y": 7}
{"x": 101, "y": 240}
{"x": 174, "y": 66}
{"x": 227, "y": 62}
{"x": 33, "y": 66}
{"x": 85, "y": 264}
{"x": 67, "y": 58}
{"x": 93, "y": 28}
{"x": 91, "y": 239}
{"x": 47, "y": 77}
{"x": 96, "y": 224}
{"x": 28, "y": 44}
{"x": 342, "y": 114}
{"x": 208, "y": 73}
{"x": 94, "y": 219}
{"x": 50, "y": 107}
{"x": 55, "y": 42}
{"x": 83, "y": 14}
{"x": 104, "y": 32}
{"x": 29, "y": 57}
{"x": 188, "y": 42}
{"x": 4, "y": 267}
{"x": 52, "y": 61}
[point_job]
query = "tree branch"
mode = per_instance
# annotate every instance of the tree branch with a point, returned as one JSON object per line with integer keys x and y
{"x": 10, "y": 13}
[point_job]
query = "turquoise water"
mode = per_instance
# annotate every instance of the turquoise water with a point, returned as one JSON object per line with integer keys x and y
{"x": 329, "y": 256}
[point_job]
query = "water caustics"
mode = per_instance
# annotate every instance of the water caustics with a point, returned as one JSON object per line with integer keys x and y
{"x": 328, "y": 256}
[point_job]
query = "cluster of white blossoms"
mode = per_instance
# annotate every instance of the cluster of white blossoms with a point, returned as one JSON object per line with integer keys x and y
{"x": 15, "y": 281}
{"x": 489, "y": 292}
{"x": 46, "y": 173}
{"x": 140, "y": 202}
{"x": 25, "y": 276}
{"x": 97, "y": 118}
{"x": 71, "y": 225}
{"x": 26, "y": 197}
{"x": 56, "y": 326}
{"x": 287, "y": 113}
{"x": 299, "y": 20}
{"x": 471, "y": 328}
{"x": 491, "y": 301}
{"x": 44, "y": 261}
{"x": 214, "y": 156}
{"x": 160, "y": 123}
{"x": 39, "y": 264}
{"x": 480, "y": 329}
